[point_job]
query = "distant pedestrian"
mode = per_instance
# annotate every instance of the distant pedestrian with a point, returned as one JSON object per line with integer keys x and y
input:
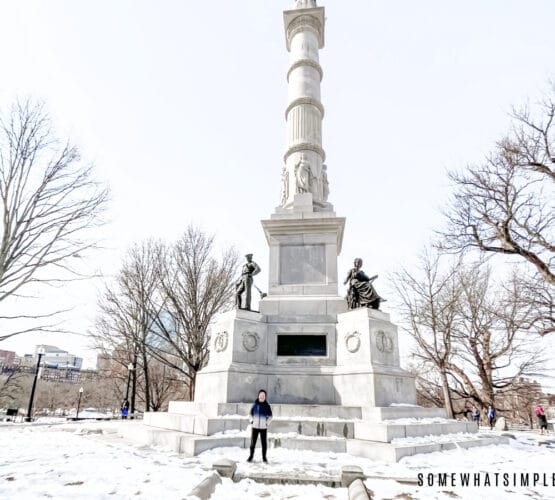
{"x": 491, "y": 416}
{"x": 476, "y": 416}
{"x": 542, "y": 419}
{"x": 125, "y": 409}
{"x": 260, "y": 417}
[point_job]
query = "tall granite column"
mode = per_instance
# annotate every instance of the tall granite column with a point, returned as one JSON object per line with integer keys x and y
{"x": 304, "y": 156}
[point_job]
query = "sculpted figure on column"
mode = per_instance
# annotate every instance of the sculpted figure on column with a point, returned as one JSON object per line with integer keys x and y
{"x": 284, "y": 187}
{"x": 325, "y": 183}
{"x": 244, "y": 283}
{"x": 303, "y": 176}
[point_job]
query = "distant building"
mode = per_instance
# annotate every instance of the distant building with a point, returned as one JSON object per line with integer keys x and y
{"x": 103, "y": 362}
{"x": 7, "y": 359}
{"x": 54, "y": 357}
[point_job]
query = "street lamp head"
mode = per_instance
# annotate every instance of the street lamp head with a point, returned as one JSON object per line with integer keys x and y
{"x": 81, "y": 390}
{"x": 41, "y": 350}
{"x": 130, "y": 366}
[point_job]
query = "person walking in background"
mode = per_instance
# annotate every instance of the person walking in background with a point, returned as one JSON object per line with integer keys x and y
{"x": 124, "y": 409}
{"x": 476, "y": 416}
{"x": 491, "y": 416}
{"x": 260, "y": 417}
{"x": 542, "y": 419}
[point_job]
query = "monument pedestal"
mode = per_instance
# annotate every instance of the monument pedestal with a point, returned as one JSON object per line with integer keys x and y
{"x": 360, "y": 365}
{"x": 368, "y": 365}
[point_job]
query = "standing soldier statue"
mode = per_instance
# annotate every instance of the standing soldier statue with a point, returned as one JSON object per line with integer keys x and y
{"x": 244, "y": 283}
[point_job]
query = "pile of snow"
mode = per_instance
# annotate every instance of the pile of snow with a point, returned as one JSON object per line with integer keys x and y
{"x": 242, "y": 490}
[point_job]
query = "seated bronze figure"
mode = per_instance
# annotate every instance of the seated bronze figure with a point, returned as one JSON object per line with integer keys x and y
{"x": 361, "y": 292}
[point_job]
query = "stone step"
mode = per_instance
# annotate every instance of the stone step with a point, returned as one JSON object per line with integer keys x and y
{"x": 278, "y": 410}
{"x": 191, "y": 445}
{"x": 381, "y": 413}
{"x": 316, "y": 427}
{"x": 194, "y": 424}
{"x": 390, "y": 452}
{"x": 205, "y": 426}
{"x": 386, "y": 432}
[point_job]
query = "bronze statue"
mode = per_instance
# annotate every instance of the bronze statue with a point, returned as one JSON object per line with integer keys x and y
{"x": 244, "y": 283}
{"x": 361, "y": 293}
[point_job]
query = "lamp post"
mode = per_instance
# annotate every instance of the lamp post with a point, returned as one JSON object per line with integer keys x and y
{"x": 79, "y": 403}
{"x": 130, "y": 368}
{"x": 40, "y": 353}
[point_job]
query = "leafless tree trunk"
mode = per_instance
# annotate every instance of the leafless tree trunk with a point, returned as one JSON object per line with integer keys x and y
{"x": 165, "y": 384}
{"x": 126, "y": 321}
{"x": 493, "y": 350}
{"x": 429, "y": 306}
{"x": 11, "y": 385}
{"x": 48, "y": 203}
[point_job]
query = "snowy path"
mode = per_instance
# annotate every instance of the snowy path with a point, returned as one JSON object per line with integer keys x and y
{"x": 89, "y": 461}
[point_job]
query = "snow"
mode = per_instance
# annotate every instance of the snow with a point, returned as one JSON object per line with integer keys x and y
{"x": 279, "y": 435}
{"x": 435, "y": 438}
{"x": 87, "y": 460}
{"x": 229, "y": 490}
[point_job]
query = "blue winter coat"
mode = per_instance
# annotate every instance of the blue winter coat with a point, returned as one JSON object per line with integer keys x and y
{"x": 261, "y": 415}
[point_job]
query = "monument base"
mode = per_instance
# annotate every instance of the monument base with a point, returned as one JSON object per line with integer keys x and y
{"x": 359, "y": 366}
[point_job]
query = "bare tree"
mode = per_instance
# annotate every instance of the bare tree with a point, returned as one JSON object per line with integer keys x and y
{"x": 195, "y": 286}
{"x": 49, "y": 202}
{"x": 506, "y": 205}
{"x": 158, "y": 312}
{"x": 126, "y": 320}
{"x": 12, "y": 383}
{"x": 470, "y": 333}
{"x": 492, "y": 350}
{"x": 429, "y": 307}
{"x": 165, "y": 384}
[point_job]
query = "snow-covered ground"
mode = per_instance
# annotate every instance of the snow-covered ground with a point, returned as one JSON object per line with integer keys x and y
{"x": 87, "y": 460}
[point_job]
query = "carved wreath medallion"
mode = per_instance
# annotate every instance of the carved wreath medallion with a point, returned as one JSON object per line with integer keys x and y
{"x": 384, "y": 342}
{"x": 251, "y": 341}
{"x": 220, "y": 342}
{"x": 352, "y": 341}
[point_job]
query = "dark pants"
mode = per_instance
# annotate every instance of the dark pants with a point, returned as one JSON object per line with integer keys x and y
{"x": 254, "y": 437}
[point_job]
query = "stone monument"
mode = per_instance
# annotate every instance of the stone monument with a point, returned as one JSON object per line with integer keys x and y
{"x": 304, "y": 346}
{"x": 330, "y": 371}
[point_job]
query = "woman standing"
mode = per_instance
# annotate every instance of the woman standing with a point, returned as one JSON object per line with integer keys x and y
{"x": 261, "y": 415}
{"x": 542, "y": 419}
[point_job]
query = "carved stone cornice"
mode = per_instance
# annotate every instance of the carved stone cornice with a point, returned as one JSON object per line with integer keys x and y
{"x": 305, "y": 100}
{"x": 298, "y": 20}
{"x": 305, "y": 22}
{"x": 306, "y": 62}
{"x": 305, "y": 146}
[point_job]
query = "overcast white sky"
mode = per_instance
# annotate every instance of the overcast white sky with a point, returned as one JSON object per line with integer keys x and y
{"x": 180, "y": 104}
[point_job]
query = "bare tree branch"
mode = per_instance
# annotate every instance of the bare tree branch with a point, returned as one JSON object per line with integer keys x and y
{"x": 49, "y": 201}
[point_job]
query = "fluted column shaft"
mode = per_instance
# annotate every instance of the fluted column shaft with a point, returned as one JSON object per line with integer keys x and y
{"x": 304, "y": 29}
